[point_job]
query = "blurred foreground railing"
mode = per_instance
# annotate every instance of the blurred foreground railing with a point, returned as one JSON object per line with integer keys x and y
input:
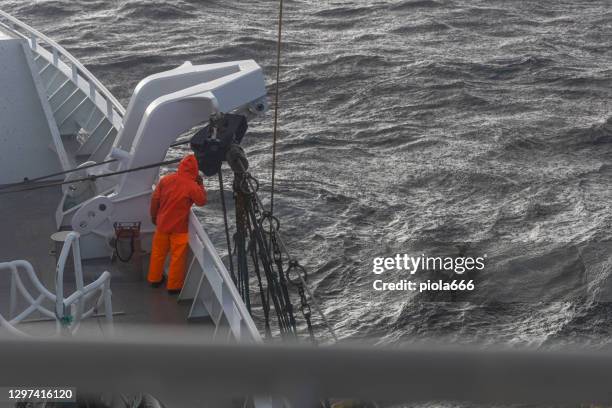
{"x": 183, "y": 369}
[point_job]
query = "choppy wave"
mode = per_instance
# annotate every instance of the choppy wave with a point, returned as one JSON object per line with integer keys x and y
{"x": 486, "y": 122}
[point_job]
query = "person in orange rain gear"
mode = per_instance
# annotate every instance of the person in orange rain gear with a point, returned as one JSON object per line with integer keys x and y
{"x": 170, "y": 207}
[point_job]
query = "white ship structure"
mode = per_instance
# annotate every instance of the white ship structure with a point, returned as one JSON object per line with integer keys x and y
{"x": 57, "y": 119}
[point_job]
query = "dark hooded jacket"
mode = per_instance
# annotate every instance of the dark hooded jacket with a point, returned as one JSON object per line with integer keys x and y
{"x": 174, "y": 195}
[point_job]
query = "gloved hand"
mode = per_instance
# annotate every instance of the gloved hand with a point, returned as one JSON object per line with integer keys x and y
{"x": 154, "y": 221}
{"x": 200, "y": 179}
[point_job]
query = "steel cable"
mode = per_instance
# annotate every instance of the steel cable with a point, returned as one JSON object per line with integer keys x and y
{"x": 27, "y": 181}
{"x": 92, "y": 177}
{"x": 276, "y": 97}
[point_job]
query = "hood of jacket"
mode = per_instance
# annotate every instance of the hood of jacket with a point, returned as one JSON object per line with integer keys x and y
{"x": 188, "y": 167}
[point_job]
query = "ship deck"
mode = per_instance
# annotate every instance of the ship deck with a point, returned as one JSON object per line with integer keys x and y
{"x": 28, "y": 223}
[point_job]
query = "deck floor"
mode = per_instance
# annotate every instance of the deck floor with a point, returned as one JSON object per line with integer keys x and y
{"x": 28, "y": 222}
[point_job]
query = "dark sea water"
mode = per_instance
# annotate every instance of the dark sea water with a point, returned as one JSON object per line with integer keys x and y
{"x": 488, "y": 122}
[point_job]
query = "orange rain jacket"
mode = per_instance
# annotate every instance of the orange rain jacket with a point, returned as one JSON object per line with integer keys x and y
{"x": 174, "y": 195}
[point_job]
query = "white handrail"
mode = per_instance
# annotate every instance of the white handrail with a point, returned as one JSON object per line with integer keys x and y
{"x": 196, "y": 227}
{"x": 76, "y": 300}
{"x": 71, "y": 243}
{"x": 34, "y": 38}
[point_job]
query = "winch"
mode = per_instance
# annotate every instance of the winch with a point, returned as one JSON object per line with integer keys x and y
{"x": 212, "y": 143}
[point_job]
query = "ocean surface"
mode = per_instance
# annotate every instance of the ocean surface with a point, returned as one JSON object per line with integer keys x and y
{"x": 408, "y": 124}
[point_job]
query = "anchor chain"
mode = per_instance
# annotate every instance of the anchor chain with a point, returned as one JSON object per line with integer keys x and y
{"x": 304, "y": 305}
{"x": 260, "y": 250}
{"x": 275, "y": 270}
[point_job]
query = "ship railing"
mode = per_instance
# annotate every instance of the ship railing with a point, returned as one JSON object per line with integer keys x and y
{"x": 211, "y": 289}
{"x": 424, "y": 374}
{"x": 64, "y": 61}
{"x": 67, "y": 312}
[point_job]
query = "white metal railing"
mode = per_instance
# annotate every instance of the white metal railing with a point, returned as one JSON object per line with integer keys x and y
{"x": 75, "y": 302}
{"x": 218, "y": 284}
{"x": 69, "y": 65}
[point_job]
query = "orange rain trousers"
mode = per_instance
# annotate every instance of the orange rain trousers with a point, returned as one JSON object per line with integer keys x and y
{"x": 177, "y": 243}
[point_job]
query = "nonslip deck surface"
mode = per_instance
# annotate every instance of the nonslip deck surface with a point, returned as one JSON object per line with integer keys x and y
{"x": 28, "y": 222}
